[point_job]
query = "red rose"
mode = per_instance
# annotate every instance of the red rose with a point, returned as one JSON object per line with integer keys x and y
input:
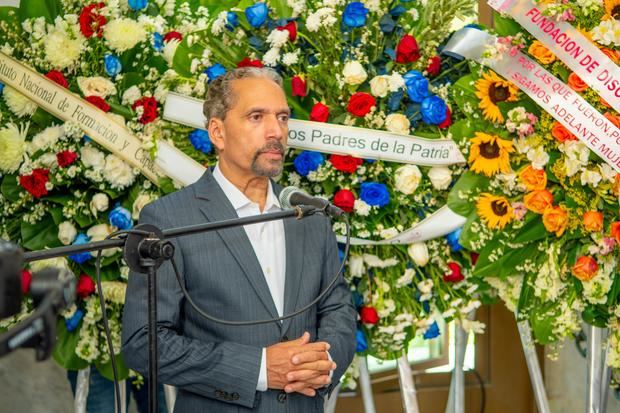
{"x": 99, "y": 102}
{"x": 57, "y": 77}
{"x": 292, "y": 30}
{"x": 344, "y": 199}
{"x": 247, "y": 62}
{"x": 345, "y": 163}
{"x": 447, "y": 121}
{"x": 360, "y": 104}
{"x": 91, "y": 22}
{"x": 149, "y": 105}
{"x": 319, "y": 112}
{"x": 407, "y": 50}
{"x": 299, "y": 86}
{"x": 172, "y": 35}
{"x": 35, "y": 182}
{"x": 26, "y": 280}
{"x": 66, "y": 158}
{"x": 474, "y": 258}
{"x": 85, "y": 286}
{"x": 455, "y": 273}
{"x": 369, "y": 315}
{"x": 434, "y": 65}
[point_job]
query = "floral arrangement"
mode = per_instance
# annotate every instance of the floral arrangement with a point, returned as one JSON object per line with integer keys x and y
{"x": 542, "y": 208}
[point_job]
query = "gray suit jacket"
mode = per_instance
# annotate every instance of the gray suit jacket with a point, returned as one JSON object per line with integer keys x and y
{"x": 214, "y": 366}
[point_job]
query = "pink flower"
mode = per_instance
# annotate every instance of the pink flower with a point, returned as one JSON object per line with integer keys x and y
{"x": 519, "y": 210}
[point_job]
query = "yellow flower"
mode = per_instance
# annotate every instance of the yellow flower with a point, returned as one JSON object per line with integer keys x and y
{"x": 491, "y": 89}
{"x": 489, "y": 154}
{"x": 612, "y": 9}
{"x": 494, "y": 211}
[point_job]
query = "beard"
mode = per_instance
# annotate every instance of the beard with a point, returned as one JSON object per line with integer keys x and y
{"x": 268, "y": 168}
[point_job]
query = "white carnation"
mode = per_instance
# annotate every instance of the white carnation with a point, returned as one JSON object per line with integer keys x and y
{"x": 118, "y": 173}
{"x": 290, "y": 58}
{"x": 395, "y": 82}
{"x": 271, "y": 57}
{"x": 123, "y": 34}
{"x": 92, "y": 157}
{"x": 407, "y": 178}
{"x": 19, "y": 104}
{"x": 278, "y": 38}
{"x": 66, "y": 232}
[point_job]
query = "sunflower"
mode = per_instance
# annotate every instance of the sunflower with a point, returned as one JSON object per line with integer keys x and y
{"x": 491, "y": 89}
{"x": 612, "y": 9}
{"x": 494, "y": 211}
{"x": 489, "y": 154}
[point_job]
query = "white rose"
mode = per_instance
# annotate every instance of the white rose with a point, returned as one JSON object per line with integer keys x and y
{"x": 98, "y": 233}
{"x": 96, "y": 86}
{"x": 66, "y": 232}
{"x": 141, "y": 201}
{"x": 356, "y": 266}
{"x": 397, "y": 123}
{"x": 117, "y": 172}
{"x": 379, "y": 86}
{"x": 123, "y": 34}
{"x": 418, "y": 253}
{"x": 407, "y": 178}
{"x": 354, "y": 73}
{"x": 131, "y": 95}
{"x": 440, "y": 176}
{"x": 18, "y": 103}
{"x": 92, "y": 157}
{"x": 99, "y": 203}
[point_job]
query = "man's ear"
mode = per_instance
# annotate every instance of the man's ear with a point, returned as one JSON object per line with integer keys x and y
{"x": 215, "y": 127}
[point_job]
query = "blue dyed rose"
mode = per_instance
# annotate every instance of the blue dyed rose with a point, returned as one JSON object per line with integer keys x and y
{"x": 73, "y": 322}
{"x": 453, "y": 240}
{"x": 355, "y": 14}
{"x": 417, "y": 85}
{"x": 1, "y": 87}
{"x": 362, "y": 344}
{"x": 308, "y": 161}
{"x": 387, "y": 24}
{"x": 214, "y": 71}
{"x": 375, "y": 194}
{"x": 393, "y": 102}
{"x": 113, "y": 65}
{"x": 434, "y": 110}
{"x": 138, "y": 4}
{"x": 120, "y": 218}
{"x": 158, "y": 42}
{"x": 257, "y": 14}
{"x": 232, "y": 19}
{"x": 397, "y": 11}
{"x": 432, "y": 332}
{"x": 80, "y": 257}
{"x": 201, "y": 141}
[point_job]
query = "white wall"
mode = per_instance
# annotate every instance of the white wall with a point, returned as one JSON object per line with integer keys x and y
{"x": 9, "y": 2}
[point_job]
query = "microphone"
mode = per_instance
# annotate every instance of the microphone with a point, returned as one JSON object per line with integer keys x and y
{"x": 292, "y": 196}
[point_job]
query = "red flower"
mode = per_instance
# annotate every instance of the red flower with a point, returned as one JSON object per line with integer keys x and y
{"x": 85, "y": 286}
{"x": 474, "y": 258}
{"x": 455, "y": 273}
{"x": 247, "y": 62}
{"x": 360, "y": 104}
{"x": 299, "y": 86}
{"x": 26, "y": 280}
{"x": 292, "y": 30}
{"x": 172, "y": 35}
{"x": 369, "y": 315}
{"x": 91, "y": 22}
{"x": 344, "y": 199}
{"x": 57, "y": 77}
{"x": 447, "y": 121}
{"x": 149, "y": 105}
{"x": 35, "y": 182}
{"x": 434, "y": 65}
{"x": 345, "y": 163}
{"x": 319, "y": 112}
{"x": 66, "y": 158}
{"x": 407, "y": 50}
{"x": 99, "y": 102}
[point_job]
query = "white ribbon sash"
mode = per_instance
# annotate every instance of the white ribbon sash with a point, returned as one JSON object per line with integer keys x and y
{"x": 550, "y": 93}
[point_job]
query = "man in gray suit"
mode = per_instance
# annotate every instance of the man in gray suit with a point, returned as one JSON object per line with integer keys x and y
{"x": 247, "y": 273}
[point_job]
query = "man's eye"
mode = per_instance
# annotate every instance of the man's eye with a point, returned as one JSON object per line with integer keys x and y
{"x": 256, "y": 116}
{"x": 283, "y": 118}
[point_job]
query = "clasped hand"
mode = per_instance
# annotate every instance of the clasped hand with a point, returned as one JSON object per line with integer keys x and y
{"x": 299, "y": 365}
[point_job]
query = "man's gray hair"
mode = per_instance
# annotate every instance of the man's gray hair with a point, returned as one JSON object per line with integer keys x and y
{"x": 221, "y": 97}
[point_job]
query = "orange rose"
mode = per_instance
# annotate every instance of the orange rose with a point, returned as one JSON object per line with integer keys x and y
{"x": 538, "y": 201}
{"x": 585, "y": 268}
{"x": 615, "y": 119}
{"x": 575, "y": 83}
{"x": 561, "y": 134}
{"x": 612, "y": 54}
{"x": 615, "y": 230}
{"x": 533, "y": 179}
{"x": 555, "y": 220}
{"x": 604, "y": 102}
{"x": 593, "y": 221}
{"x": 616, "y": 186}
{"x": 541, "y": 53}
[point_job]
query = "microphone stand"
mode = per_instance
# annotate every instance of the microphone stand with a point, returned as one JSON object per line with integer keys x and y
{"x": 145, "y": 248}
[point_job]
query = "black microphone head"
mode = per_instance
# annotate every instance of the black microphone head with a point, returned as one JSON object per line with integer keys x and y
{"x": 285, "y": 196}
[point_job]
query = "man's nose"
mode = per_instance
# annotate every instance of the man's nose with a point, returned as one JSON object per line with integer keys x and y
{"x": 274, "y": 128}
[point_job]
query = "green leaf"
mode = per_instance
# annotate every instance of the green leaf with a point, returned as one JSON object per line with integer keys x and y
{"x": 462, "y": 129}
{"x": 542, "y": 327}
{"x": 44, "y": 119}
{"x": 10, "y": 15}
{"x": 468, "y": 235}
{"x": 281, "y": 9}
{"x": 464, "y": 94}
{"x": 110, "y": 270}
{"x": 515, "y": 257}
{"x": 84, "y": 220}
{"x": 614, "y": 291}
{"x": 182, "y": 60}
{"x": 48, "y": 9}
{"x": 533, "y": 229}
{"x": 166, "y": 185}
{"x": 64, "y": 350}
{"x": 40, "y": 235}
{"x": 596, "y": 315}
{"x": 505, "y": 26}
{"x": 121, "y": 368}
{"x": 57, "y": 215}
{"x": 62, "y": 199}
{"x": 484, "y": 266}
{"x": 10, "y": 188}
{"x": 526, "y": 295}
{"x": 468, "y": 182}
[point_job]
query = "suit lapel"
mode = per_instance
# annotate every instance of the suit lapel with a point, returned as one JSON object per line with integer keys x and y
{"x": 215, "y": 206}
{"x": 294, "y": 238}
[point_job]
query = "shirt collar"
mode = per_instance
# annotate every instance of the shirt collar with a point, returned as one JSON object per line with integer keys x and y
{"x": 238, "y": 198}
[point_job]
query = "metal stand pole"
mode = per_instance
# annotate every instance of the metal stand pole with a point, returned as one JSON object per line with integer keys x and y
{"x": 606, "y": 380}
{"x": 365, "y": 387}
{"x": 533, "y": 367}
{"x": 152, "y": 321}
{"x": 332, "y": 400}
{"x": 170, "y": 394}
{"x": 407, "y": 386}
{"x": 122, "y": 388}
{"x": 81, "y": 390}
{"x": 596, "y": 336}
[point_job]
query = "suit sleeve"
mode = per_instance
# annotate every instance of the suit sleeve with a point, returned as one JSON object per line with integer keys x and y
{"x": 336, "y": 315}
{"x": 225, "y": 371}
